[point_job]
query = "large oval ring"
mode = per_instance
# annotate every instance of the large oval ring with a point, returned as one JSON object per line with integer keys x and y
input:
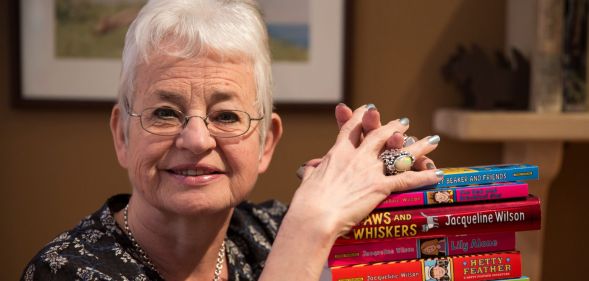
{"x": 396, "y": 161}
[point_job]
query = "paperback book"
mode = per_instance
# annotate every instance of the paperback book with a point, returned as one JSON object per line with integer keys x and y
{"x": 387, "y": 224}
{"x": 415, "y": 248}
{"x": 488, "y": 174}
{"x": 490, "y": 266}
{"x": 449, "y": 195}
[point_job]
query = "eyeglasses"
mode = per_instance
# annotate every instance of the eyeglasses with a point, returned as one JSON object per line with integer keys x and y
{"x": 165, "y": 121}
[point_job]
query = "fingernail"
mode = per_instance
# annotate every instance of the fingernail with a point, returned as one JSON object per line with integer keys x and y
{"x": 435, "y": 139}
{"x": 439, "y": 173}
{"x": 301, "y": 170}
{"x": 430, "y": 166}
{"x": 370, "y": 106}
{"x": 341, "y": 104}
{"x": 404, "y": 121}
{"x": 409, "y": 140}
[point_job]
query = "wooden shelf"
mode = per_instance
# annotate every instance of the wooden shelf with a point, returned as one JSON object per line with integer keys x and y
{"x": 511, "y": 126}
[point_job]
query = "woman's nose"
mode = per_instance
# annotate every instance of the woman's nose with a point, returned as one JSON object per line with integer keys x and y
{"x": 195, "y": 136}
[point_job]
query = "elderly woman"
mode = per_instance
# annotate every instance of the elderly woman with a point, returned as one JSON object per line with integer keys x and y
{"x": 194, "y": 127}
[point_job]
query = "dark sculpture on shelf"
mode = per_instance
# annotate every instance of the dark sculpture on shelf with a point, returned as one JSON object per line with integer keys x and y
{"x": 502, "y": 84}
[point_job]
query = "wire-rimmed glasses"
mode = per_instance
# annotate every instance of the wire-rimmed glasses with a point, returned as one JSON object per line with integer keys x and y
{"x": 166, "y": 121}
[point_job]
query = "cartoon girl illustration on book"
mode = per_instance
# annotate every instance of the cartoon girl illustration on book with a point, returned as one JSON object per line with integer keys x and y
{"x": 440, "y": 197}
{"x": 431, "y": 248}
{"x": 437, "y": 270}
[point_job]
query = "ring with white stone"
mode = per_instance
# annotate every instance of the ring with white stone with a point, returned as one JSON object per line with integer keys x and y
{"x": 396, "y": 161}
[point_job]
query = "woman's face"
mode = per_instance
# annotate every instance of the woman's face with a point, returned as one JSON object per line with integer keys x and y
{"x": 193, "y": 172}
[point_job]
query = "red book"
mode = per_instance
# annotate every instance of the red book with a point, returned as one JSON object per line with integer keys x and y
{"x": 492, "y": 266}
{"x": 419, "y": 248}
{"x": 509, "y": 216}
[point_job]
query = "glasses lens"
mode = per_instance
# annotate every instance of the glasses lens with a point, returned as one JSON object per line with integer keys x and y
{"x": 228, "y": 123}
{"x": 162, "y": 121}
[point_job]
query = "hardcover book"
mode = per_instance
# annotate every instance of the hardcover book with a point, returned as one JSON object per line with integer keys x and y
{"x": 387, "y": 224}
{"x": 415, "y": 248}
{"x": 448, "y": 195}
{"x": 488, "y": 174}
{"x": 491, "y": 266}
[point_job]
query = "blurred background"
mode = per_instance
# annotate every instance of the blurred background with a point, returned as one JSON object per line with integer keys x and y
{"x": 58, "y": 164}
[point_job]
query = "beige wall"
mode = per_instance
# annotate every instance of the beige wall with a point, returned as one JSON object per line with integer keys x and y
{"x": 59, "y": 165}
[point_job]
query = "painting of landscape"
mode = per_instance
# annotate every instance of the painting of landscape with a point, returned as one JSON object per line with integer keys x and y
{"x": 96, "y": 28}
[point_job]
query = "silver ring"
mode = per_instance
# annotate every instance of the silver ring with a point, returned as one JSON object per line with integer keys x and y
{"x": 408, "y": 140}
{"x": 396, "y": 161}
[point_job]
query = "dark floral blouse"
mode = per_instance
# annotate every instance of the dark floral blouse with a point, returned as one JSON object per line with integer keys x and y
{"x": 98, "y": 249}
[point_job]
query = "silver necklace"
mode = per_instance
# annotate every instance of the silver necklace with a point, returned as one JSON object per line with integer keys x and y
{"x": 147, "y": 260}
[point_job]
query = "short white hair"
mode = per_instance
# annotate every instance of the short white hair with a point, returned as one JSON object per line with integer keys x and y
{"x": 193, "y": 27}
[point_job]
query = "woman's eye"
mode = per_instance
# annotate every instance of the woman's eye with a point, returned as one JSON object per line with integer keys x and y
{"x": 165, "y": 113}
{"x": 225, "y": 117}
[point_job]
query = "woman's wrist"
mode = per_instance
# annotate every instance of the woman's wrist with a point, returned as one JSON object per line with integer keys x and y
{"x": 317, "y": 221}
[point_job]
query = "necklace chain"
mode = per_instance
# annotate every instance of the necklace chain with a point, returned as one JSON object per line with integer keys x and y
{"x": 147, "y": 260}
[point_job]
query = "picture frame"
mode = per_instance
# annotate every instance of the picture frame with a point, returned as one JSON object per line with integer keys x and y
{"x": 49, "y": 80}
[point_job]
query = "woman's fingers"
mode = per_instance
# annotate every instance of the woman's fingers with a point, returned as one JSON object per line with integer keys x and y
{"x": 371, "y": 119}
{"x": 423, "y": 146}
{"x": 413, "y": 179}
{"x": 375, "y": 141}
{"x": 342, "y": 114}
{"x": 424, "y": 163}
{"x": 352, "y": 130}
{"x": 307, "y": 167}
{"x": 395, "y": 141}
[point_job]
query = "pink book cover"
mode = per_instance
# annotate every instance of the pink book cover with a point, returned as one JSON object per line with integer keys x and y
{"x": 415, "y": 248}
{"x": 449, "y": 195}
{"x": 387, "y": 224}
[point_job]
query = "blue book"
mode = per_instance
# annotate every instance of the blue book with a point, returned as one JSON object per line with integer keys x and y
{"x": 488, "y": 174}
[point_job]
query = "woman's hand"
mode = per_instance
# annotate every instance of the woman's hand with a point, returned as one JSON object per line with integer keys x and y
{"x": 348, "y": 182}
{"x": 342, "y": 188}
{"x": 371, "y": 121}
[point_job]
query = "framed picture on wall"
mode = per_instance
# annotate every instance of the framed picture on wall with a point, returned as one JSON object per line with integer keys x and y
{"x": 70, "y": 50}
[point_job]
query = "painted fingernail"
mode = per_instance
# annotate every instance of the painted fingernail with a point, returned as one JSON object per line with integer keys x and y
{"x": 301, "y": 171}
{"x": 404, "y": 121}
{"x": 435, "y": 139}
{"x": 409, "y": 140}
{"x": 370, "y": 106}
{"x": 430, "y": 166}
{"x": 439, "y": 173}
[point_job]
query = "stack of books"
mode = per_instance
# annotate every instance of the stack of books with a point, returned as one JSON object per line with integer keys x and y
{"x": 411, "y": 236}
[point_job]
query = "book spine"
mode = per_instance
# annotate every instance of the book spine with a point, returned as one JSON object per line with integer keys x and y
{"x": 412, "y": 248}
{"x": 451, "y": 195}
{"x": 411, "y": 270}
{"x": 487, "y": 174}
{"x": 509, "y": 216}
{"x": 492, "y": 266}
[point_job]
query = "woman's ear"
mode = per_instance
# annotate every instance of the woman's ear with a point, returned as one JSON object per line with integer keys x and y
{"x": 118, "y": 130}
{"x": 273, "y": 135}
